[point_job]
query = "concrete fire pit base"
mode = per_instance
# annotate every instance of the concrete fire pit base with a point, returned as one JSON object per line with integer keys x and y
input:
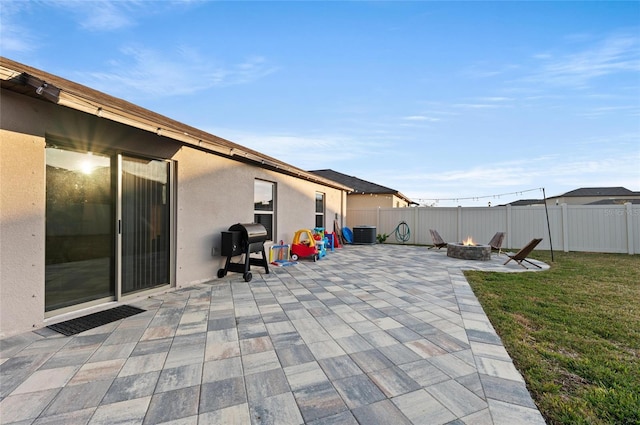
{"x": 469, "y": 252}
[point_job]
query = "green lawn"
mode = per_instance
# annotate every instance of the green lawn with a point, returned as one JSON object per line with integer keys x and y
{"x": 573, "y": 332}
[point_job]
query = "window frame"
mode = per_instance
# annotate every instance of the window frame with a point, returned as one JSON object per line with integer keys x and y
{"x": 271, "y": 210}
{"x": 320, "y": 214}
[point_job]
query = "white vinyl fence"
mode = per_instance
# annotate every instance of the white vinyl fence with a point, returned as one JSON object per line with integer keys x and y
{"x": 587, "y": 228}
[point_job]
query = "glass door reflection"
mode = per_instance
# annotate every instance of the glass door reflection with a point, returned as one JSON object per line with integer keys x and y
{"x": 79, "y": 228}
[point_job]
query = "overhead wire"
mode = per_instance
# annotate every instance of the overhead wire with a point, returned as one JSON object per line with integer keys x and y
{"x": 476, "y": 198}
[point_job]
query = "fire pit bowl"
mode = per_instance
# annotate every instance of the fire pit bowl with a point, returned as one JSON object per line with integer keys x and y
{"x": 469, "y": 252}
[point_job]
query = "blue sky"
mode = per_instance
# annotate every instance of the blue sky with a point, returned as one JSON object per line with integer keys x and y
{"x": 440, "y": 100}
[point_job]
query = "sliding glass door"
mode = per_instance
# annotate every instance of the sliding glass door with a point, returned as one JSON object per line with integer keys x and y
{"x": 108, "y": 221}
{"x": 79, "y": 248}
{"x": 145, "y": 223}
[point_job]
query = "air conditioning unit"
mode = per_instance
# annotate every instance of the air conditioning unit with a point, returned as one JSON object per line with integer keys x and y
{"x": 364, "y": 235}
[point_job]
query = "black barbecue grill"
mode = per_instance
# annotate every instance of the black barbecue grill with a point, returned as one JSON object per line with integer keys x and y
{"x": 244, "y": 238}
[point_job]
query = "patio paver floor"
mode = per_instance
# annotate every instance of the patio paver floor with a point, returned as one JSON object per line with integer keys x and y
{"x": 370, "y": 334}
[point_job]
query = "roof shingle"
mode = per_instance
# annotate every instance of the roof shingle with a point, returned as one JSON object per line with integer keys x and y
{"x": 359, "y": 185}
{"x": 600, "y": 191}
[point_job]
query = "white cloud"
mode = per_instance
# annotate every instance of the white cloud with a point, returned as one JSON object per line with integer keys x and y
{"x": 631, "y": 110}
{"x": 615, "y": 54}
{"x": 95, "y": 15}
{"x": 163, "y": 74}
{"x": 555, "y": 172}
{"x": 476, "y": 105}
{"x": 420, "y": 118}
{"x": 486, "y": 70}
{"x": 306, "y": 151}
{"x": 15, "y": 37}
{"x": 112, "y": 15}
{"x": 487, "y": 102}
{"x": 103, "y": 15}
{"x": 497, "y": 99}
{"x": 602, "y": 162}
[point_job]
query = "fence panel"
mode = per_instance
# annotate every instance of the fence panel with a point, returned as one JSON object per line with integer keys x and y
{"x": 391, "y": 219}
{"x": 527, "y": 223}
{"x": 600, "y": 227}
{"x": 363, "y": 217}
{"x": 482, "y": 223}
{"x": 557, "y": 229}
{"x": 633, "y": 225}
{"x": 443, "y": 220}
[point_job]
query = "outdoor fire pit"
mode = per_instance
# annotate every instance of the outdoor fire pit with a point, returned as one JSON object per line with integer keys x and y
{"x": 467, "y": 250}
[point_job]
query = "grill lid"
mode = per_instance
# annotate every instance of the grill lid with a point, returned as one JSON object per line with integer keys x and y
{"x": 251, "y": 232}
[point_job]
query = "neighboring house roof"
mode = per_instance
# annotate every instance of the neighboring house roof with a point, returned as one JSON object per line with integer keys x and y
{"x": 615, "y": 202}
{"x": 360, "y": 186}
{"x": 41, "y": 85}
{"x": 524, "y": 202}
{"x": 620, "y": 193}
{"x": 599, "y": 191}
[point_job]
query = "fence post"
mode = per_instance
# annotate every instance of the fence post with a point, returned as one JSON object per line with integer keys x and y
{"x": 509, "y": 226}
{"x": 630, "y": 234}
{"x": 565, "y": 228}
{"x": 414, "y": 224}
{"x": 459, "y": 231}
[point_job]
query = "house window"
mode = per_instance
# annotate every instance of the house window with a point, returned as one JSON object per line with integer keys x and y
{"x": 264, "y": 206}
{"x": 319, "y": 209}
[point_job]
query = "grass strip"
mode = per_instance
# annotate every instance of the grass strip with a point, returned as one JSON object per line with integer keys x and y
{"x": 573, "y": 332}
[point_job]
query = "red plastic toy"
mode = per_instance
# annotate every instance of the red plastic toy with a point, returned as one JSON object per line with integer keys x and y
{"x": 304, "y": 248}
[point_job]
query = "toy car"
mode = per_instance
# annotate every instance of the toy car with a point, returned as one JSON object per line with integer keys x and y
{"x": 304, "y": 246}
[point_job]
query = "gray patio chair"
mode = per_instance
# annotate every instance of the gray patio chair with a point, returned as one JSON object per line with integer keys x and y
{"x": 438, "y": 242}
{"x": 496, "y": 242}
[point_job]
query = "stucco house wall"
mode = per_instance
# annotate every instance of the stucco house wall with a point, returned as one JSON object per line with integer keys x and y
{"x": 21, "y": 230}
{"x": 360, "y": 201}
{"x": 212, "y": 192}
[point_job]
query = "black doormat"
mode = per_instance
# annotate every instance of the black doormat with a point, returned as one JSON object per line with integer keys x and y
{"x": 81, "y": 324}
